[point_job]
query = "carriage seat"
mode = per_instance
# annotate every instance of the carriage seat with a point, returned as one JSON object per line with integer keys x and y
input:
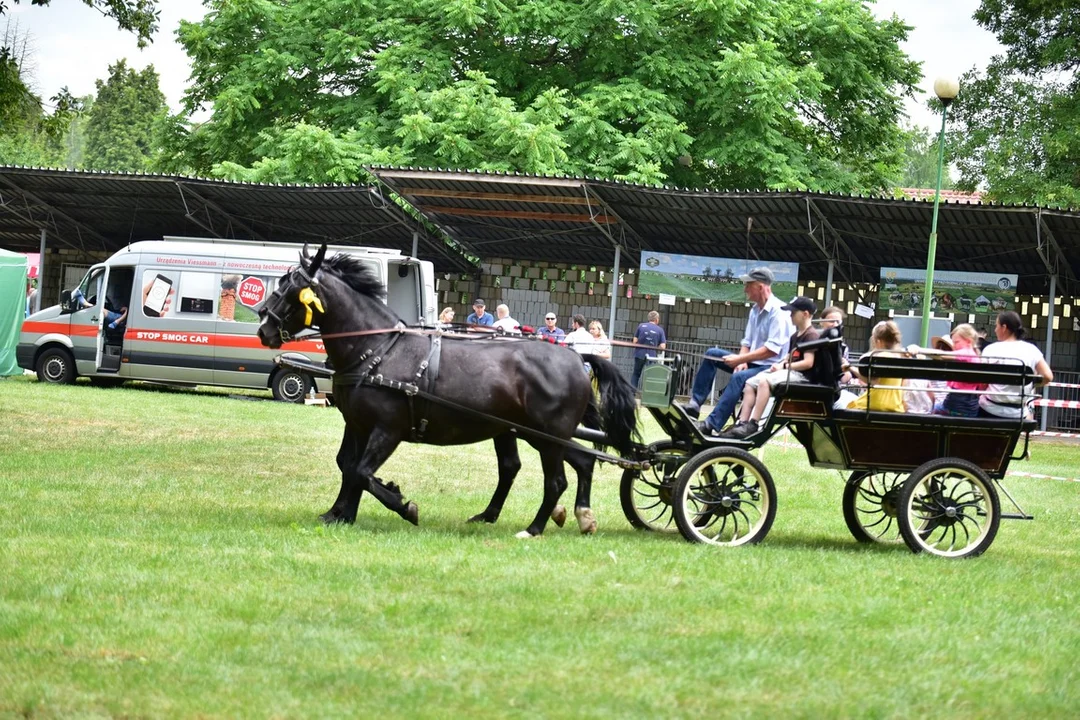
{"x": 825, "y": 375}
{"x": 876, "y": 417}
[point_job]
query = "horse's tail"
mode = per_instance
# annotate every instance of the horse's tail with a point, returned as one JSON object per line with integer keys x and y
{"x": 618, "y": 410}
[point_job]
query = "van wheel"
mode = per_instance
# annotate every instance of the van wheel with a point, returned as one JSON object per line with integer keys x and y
{"x": 290, "y": 386}
{"x": 56, "y": 365}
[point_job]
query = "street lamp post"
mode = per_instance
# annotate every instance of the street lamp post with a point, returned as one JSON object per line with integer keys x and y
{"x": 946, "y": 89}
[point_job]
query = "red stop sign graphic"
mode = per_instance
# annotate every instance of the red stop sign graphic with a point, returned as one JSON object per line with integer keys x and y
{"x": 252, "y": 291}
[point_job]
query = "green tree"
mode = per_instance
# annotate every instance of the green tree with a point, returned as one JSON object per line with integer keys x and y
{"x": 29, "y": 136}
{"x": 137, "y": 16}
{"x": 767, "y": 94}
{"x": 1017, "y": 125}
{"x": 921, "y": 160}
{"x": 121, "y": 125}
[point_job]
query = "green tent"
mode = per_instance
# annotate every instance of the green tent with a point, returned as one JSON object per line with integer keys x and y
{"x": 12, "y": 308}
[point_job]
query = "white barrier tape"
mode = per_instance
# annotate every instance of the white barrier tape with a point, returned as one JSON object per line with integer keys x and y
{"x": 1069, "y": 404}
{"x": 1041, "y": 477}
{"x": 1053, "y": 433}
{"x": 1064, "y": 385}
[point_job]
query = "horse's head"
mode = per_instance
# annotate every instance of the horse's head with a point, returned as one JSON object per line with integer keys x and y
{"x": 293, "y": 305}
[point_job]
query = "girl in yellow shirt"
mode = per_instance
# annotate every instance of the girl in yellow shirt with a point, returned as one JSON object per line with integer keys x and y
{"x": 881, "y": 395}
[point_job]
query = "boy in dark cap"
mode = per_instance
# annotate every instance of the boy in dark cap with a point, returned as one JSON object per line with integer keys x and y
{"x": 793, "y": 369}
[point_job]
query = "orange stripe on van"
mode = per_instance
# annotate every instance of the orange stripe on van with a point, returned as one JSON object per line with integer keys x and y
{"x": 41, "y": 326}
{"x": 216, "y": 340}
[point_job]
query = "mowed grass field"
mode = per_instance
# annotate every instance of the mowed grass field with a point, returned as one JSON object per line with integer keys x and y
{"x": 160, "y": 556}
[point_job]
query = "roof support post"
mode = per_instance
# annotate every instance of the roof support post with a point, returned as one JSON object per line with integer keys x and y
{"x": 1049, "y": 348}
{"x": 614, "y": 292}
{"x": 41, "y": 274}
{"x": 415, "y": 244}
{"x": 828, "y": 285}
{"x": 1050, "y": 252}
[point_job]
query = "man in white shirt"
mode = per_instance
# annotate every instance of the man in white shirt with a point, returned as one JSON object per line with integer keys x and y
{"x": 580, "y": 339}
{"x": 506, "y": 323}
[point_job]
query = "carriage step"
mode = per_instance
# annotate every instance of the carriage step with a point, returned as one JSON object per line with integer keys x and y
{"x": 1017, "y": 516}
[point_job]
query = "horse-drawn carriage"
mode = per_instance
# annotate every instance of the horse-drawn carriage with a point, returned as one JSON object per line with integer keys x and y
{"x": 931, "y": 480}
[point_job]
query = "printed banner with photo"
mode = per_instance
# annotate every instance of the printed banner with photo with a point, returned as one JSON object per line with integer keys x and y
{"x": 963, "y": 292}
{"x": 710, "y": 278}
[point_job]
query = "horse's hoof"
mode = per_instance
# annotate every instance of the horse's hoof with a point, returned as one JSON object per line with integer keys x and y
{"x": 412, "y": 513}
{"x": 480, "y": 517}
{"x": 526, "y": 535}
{"x": 585, "y": 520}
{"x": 333, "y": 517}
{"x": 558, "y": 515}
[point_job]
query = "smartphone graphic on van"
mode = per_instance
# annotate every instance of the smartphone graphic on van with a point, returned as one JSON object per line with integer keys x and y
{"x": 159, "y": 293}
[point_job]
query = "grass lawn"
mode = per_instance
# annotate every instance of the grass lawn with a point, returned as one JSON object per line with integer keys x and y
{"x": 160, "y": 556}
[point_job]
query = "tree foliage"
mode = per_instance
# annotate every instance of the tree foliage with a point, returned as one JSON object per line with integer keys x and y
{"x": 921, "y": 160}
{"x": 121, "y": 126}
{"x": 762, "y": 94}
{"x": 1018, "y": 123}
{"x": 137, "y": 16}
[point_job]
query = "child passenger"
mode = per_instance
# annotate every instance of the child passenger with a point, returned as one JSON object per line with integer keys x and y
{"x": 758, "y": 388}
{"x": 965, "y": 343}
{"x": 884, "y": 394}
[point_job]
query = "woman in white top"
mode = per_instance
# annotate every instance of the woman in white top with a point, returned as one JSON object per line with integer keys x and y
{"x": 601, "y": 346}
{"x": 1003, "y": 400}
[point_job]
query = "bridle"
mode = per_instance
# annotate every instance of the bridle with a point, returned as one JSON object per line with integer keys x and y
{"x": 307, "y": 299}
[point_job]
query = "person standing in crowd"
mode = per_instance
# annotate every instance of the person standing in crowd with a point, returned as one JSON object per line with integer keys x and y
{"x": 767, "y": 332}
{"x": 551, "y": 330}
{"x": 1003, "y": 400}
{"x": 505, "y": 322}
{"x": 650, "y": 336}
{"x": 601, "y": 345}
{"x": 579, "y": 338}
{"x": 479, "y": 316}
{"x": 446, "y": 317}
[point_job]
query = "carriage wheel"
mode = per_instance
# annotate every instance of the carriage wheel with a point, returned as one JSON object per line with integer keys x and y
{"x": 949, "y": 507}
{"x": 870, "y": 504}
{"x": 724, "y": 496}
{"x": 646, "y": 495}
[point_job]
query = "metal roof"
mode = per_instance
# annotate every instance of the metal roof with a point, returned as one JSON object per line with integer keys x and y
{"x": 97, "y": 211}
{"x": 561, "y": 219}
{"x": 579, "y": 221}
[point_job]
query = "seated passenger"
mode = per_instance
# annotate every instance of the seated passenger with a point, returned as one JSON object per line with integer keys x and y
{"x": 1004, "y": 400}
{"x": 113, "y": 318}
{"x": 758, "y": 388}
{"x": 883, "y": 394}
{"x": 964, "y": 341}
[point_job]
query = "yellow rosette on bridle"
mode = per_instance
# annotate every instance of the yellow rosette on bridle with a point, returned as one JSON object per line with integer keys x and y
{"x": 309, "y": 298}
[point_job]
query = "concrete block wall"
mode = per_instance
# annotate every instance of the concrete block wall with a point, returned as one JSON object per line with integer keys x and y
{"x": 531, "y": 289}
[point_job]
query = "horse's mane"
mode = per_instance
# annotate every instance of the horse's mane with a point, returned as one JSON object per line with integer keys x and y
{"x": 356, "y": 274}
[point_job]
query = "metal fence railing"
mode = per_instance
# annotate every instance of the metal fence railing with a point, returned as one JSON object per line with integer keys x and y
{"x": 691, "y": 352}
{"x": 1064, "y": 416}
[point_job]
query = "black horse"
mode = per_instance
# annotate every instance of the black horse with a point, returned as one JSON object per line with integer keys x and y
{"x": 482, "y": 387}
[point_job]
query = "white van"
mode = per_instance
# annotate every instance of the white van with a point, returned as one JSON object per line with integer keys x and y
{"x": 192, "y": 316}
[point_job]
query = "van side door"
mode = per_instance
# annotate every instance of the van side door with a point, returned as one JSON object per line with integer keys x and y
{"x": 87, "y": 313}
